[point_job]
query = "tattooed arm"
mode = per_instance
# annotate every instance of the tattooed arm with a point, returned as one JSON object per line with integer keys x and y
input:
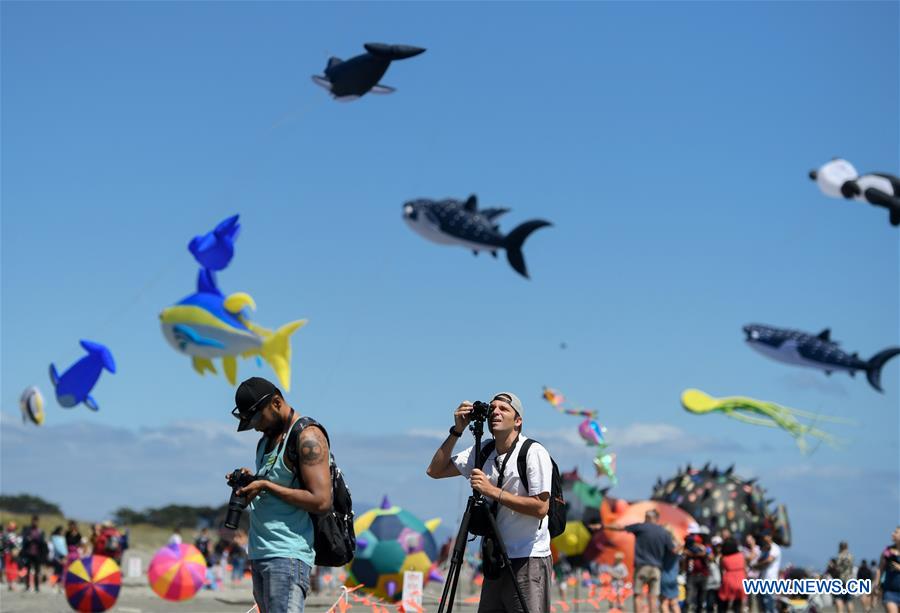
{"x": 314, "y": 471}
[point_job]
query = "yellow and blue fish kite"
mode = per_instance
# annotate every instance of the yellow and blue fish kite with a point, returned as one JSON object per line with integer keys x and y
{"x": 207, "y": 325}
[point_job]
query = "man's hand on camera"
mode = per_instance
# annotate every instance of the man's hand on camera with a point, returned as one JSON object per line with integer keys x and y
{"x": 252, "y": 490}
{"x": 246, "y": 471}
{"x": 483, "y": 485}
{"x": 462, "y": 416}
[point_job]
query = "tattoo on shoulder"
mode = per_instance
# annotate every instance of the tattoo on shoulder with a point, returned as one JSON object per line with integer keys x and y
{"x": 312, "y": 449}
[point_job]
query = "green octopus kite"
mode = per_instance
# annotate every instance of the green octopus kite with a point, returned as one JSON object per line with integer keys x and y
{"x": 762, "y": 413}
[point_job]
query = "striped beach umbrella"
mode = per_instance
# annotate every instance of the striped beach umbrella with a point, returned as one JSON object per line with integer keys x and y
{"x": 92, "y": 583}
{"x": 177, "y": 572}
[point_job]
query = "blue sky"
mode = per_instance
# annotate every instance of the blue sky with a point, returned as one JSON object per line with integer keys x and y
{"x": 669, "y": 143}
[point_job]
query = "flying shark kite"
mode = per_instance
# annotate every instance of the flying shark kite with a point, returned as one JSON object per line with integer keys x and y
{"x": 215, "y": 249}
{"x": 454, "y": 222}
{"x": 354, "y": 78}
{"x": 208, "y": 325}
{"x": 819, "y": 351}
{"x": 839, "y": 179}
{"x": 761, "y": 413}
{"x": 74, "y": 386}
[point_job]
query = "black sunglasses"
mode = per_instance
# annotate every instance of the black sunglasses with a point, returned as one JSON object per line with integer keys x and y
{"x": 252, "y": 410}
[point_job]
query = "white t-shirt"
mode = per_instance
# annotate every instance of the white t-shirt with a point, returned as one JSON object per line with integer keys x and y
{"x": 774, "y": 557}
{"x": 752, "y": 556}
{"x": 525, "y": 536}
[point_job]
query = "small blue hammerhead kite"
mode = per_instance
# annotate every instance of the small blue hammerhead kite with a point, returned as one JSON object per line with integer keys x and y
{"x": 74, "y": 386}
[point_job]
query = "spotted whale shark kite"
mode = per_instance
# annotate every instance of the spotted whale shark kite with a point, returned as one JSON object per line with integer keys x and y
{"x": 207, "y": 325}
{"x": 815, "y": 351}
{"x": 457, "y": 222}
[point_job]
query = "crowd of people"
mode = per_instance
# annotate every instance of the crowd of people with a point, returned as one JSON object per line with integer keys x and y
{"x": 706, "y": 574}
{"x": 28, "y": 554}
{"x": 32, "y": 559}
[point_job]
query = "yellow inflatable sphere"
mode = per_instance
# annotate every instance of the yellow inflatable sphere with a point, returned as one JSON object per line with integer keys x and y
{"x": 573, "y": 540}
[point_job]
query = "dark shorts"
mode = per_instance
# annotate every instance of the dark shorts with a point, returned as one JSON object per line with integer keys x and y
{"x": 843, "y": 597}
{"x": 533, "y": 577}
{"x": 889, "y": 596}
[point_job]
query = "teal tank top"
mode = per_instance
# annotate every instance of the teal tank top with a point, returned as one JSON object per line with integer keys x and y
{"x": 278, "y": 529}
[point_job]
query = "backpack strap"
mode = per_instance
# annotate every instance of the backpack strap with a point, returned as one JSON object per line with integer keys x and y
{"x": 486, "y": 450}
{"x": 522, "y": 465}
{"x": 522, "y": 461}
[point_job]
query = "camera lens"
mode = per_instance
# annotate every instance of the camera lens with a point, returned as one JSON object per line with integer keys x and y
{"x": 233, "y": 517}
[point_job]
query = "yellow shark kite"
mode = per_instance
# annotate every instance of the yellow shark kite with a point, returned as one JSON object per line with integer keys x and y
{"x": 207, "y": 325}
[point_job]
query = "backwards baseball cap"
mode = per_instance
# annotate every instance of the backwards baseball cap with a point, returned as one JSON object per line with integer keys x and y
{"x": 513, "y": 401}
{"x": 250, "y": 397}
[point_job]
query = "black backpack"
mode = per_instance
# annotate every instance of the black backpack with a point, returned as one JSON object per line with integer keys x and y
{"x": 556, "y": 516}
{"x": 334, "y": 536}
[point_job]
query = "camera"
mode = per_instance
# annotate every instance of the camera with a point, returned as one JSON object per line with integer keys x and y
{"x": 481, "y": 411}
{"x": 236, "y": 504}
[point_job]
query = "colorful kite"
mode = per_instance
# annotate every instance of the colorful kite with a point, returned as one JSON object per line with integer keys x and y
{"x": 592, "y": 433}
{"x": 606, "y": 467}
{"x": 354, "y": 78}
{"x": 207, "y": 325}
{"x": 75, "y": 385}
{"x": 555, "y": 398}
{"x": 839, "y": 179}
{"x": 31, "y": 403}
{"x": 761, "y": 413}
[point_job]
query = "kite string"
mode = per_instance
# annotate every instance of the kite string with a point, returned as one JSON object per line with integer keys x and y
{"x": 251, "y": 161}
{"x": 160, "y": 274}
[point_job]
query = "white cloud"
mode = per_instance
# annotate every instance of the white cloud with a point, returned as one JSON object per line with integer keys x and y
{"x": 648, "y": 438}
{"x": 438, "y": 435}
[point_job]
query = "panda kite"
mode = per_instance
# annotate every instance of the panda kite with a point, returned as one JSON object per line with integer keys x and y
{"x": 839, "y": 179}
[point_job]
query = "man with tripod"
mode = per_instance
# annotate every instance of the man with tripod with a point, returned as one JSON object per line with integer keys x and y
{"x": 520, "y": 508}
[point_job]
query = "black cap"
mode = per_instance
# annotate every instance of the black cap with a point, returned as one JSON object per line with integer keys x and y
{"x": 249, "y": 397}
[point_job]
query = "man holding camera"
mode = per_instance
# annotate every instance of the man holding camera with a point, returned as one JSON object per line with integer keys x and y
{"x": 281, "y": 497}
{"x": 520, "y": 508}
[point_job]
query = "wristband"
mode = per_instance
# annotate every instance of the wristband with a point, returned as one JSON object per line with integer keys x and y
{"x": 454, "y": 432}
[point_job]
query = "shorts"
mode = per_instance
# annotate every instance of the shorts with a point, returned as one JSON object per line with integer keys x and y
{"x": 649, "y": 576}
{"x": 889, "y": 596}
{"x": 843, "y": 597}
{"x": 533, "y": 577}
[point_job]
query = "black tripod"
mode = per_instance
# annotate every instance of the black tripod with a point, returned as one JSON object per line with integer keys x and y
{"x": 476, "y": 504}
